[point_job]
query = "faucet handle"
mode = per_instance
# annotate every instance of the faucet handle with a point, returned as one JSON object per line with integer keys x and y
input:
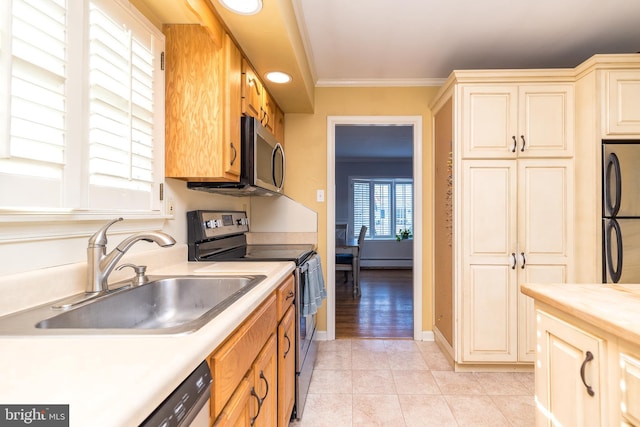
{"x": 99, "y": 239}
{"x": 141, "y": 270}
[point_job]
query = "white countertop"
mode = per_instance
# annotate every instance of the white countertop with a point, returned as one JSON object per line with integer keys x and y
{"x": 118, "y": 380}
{"x": 613, "y": 308}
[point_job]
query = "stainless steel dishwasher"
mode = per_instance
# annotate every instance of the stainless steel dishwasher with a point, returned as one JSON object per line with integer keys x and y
{"x": 187, "y": 405}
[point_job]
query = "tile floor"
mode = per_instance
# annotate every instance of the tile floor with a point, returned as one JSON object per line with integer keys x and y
{"x": 409, "y": 383}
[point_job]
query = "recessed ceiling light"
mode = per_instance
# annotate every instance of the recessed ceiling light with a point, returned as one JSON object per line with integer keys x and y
{"x": 243, "y": 7}
{"x": 278, "y": 77}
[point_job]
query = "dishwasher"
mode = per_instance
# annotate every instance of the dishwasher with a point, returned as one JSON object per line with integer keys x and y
{"x": 187, "y": 405}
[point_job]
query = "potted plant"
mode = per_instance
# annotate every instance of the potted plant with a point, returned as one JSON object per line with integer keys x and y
{"x": 403, "y": 234}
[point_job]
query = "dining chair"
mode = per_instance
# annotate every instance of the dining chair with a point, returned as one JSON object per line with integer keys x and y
{"x": 350, "y": 261}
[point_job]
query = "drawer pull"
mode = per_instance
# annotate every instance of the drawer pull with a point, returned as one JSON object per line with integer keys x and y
{"x": 588, "y": 358}
{"x": 291, "y": 294}
{"x": 266, "y": 384}
{"x": 254, "y": 394}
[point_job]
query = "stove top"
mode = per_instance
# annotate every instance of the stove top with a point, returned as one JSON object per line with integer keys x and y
{"x": 220, "y": 236}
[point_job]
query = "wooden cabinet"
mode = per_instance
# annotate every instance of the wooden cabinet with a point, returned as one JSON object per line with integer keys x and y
{"x": 622, "y": 112}
{"x": 233, "y": 360}
{"x": 202, "y": 79}
{"x": 517, "y": 222}
{"x": 286, "y": 367}
{"x": 570, "y": 380}
{"x": 254, "y": 369}
{"x": 504, "y": 185}
{"x": 529, "y": 120}
{"x": 259, "y": 103}
{"x": 286, "y": 351}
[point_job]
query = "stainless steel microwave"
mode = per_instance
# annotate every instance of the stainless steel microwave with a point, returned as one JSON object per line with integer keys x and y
{"x": 262, "y": 165}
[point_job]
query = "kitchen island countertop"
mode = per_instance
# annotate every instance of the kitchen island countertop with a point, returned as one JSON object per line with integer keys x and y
{"x": 118, "y": 380}
{"x": 613, "y": 308}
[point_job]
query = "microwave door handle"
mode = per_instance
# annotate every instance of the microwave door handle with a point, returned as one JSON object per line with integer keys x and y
{"x": 277, "y": 148}
{"x": 613, "y": 166}
{"x": 615, "y": 273}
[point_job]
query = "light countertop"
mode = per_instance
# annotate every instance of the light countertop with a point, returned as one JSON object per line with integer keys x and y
{"x": 118, "y": 380}
{"x": 613, "y": 308}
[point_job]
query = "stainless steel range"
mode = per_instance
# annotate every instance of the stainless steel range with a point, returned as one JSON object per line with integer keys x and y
{"x": 220, "y": 236}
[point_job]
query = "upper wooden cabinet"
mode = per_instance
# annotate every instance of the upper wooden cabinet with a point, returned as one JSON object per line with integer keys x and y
{"x": 202, "y": 78}
{"x": 257, "y": 102}
{"x": 531, "y": 120}
{"x": 622, "y": 112}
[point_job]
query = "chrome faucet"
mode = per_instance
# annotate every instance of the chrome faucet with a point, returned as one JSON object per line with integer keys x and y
{"x": 100, "y": 264}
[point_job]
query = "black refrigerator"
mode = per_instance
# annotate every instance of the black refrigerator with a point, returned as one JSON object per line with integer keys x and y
{"x": 620, "y": 211}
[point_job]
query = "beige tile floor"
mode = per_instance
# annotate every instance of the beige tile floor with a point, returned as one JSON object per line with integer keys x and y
{"x": 409, "y": 383}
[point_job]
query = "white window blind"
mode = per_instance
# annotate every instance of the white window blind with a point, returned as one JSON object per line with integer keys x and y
{"x": 86, "y": 107}
{"x": 385, "y": 206}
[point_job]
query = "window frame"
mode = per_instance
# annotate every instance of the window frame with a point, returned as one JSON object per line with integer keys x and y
{"x": 371, "y": 229}
{"x": 25, "y": 223}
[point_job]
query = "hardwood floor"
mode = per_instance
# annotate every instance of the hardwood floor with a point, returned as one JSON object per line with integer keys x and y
{"x": 384, "y": 310}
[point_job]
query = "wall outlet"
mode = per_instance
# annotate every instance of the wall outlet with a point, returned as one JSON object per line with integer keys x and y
{"x": 171, "y": 209}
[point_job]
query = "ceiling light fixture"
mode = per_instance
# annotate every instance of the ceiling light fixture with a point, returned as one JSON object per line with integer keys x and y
{"x": 278, "y": 77}
{"x": 243, "y": 7}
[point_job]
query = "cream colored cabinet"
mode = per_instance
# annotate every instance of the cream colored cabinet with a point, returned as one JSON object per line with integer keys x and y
{"x": 622, "y": 112}
{"x": 202, "y": 79}
{"x": 516, "y": 227}
{"x": 528, "y": 120}
{"x": 570, "y": 380}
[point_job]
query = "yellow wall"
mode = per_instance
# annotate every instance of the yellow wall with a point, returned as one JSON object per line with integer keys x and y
{"x": 306, "y": 148}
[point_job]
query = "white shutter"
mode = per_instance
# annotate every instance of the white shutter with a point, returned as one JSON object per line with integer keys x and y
{"x": 361, "y": 207}
{"x": 382, "y": 209}
{"x": 404, "y": 207}
{"x": 33, "y": 141}
{"x": 123, "y": 72}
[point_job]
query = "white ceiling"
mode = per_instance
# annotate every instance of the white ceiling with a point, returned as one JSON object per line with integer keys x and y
{"x": 394, "y": 41}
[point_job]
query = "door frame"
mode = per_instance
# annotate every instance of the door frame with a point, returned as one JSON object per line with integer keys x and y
{"x": 416, "y": 123}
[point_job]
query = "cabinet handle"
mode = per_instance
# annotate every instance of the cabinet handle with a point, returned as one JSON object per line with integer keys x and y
{"x": 514, "y": 261}
{"x": 588, "y": 358}
{"x": 266, "y": 384}
{"x": 235, "y": 154}
{"x": 254, "y": 394}
{"x": 253, "y": 82}
{"x": 515, "y": 144}
{"x": 288, "y": 347}
{"x": 290, "y": 295}
{"x": 524, "y": 260}
{"x": 523, "y": 143}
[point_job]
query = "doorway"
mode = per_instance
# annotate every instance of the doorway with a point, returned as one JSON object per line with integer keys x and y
{"x": 415, "y": 125}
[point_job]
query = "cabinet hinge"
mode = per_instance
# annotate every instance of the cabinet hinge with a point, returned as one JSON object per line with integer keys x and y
{"x": 162, "y": 61}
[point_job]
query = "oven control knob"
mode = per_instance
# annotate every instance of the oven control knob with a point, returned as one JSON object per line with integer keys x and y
{"x": 213, "y": 223}
{"x": 242, "y": 221}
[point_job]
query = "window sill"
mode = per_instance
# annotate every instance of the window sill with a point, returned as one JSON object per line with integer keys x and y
{"x": 29, "y": 226}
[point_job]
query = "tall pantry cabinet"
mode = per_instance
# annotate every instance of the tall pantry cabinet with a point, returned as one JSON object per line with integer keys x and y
{"x": 504, "y": 145}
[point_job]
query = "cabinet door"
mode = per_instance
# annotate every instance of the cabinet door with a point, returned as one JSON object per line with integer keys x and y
{"x": 238, "y": 411}
{"x": 279, "y": 131}
{"x": 252, "y": 92}
{"x": 489, "y": 121}
{"x": 265, "y": 378}
{"x": 545, "y": 235}
{"x": 489, "y": 274}
{"x": 194, "y": 104}
{"x": 286, "y": 367}
{"x": 569, "y": 370}
{"x": 545, "y": 121}
{"x": 269, "y": 113}
{"x": 232, "y": 146}
{"x": 622, "y": 109}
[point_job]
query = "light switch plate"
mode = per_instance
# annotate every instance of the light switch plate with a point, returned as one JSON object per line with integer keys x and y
{"x": 319, "y": 195}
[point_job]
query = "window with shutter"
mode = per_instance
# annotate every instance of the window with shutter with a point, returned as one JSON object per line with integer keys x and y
{"x": 84, "y": 97}
{"x": 385, "y": 206}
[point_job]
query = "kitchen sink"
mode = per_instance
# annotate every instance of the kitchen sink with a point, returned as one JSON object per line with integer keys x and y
{"x": 164, "y": 305}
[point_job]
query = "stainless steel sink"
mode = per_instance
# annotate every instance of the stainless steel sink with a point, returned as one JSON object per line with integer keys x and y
{"x": 165, "y": 305}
